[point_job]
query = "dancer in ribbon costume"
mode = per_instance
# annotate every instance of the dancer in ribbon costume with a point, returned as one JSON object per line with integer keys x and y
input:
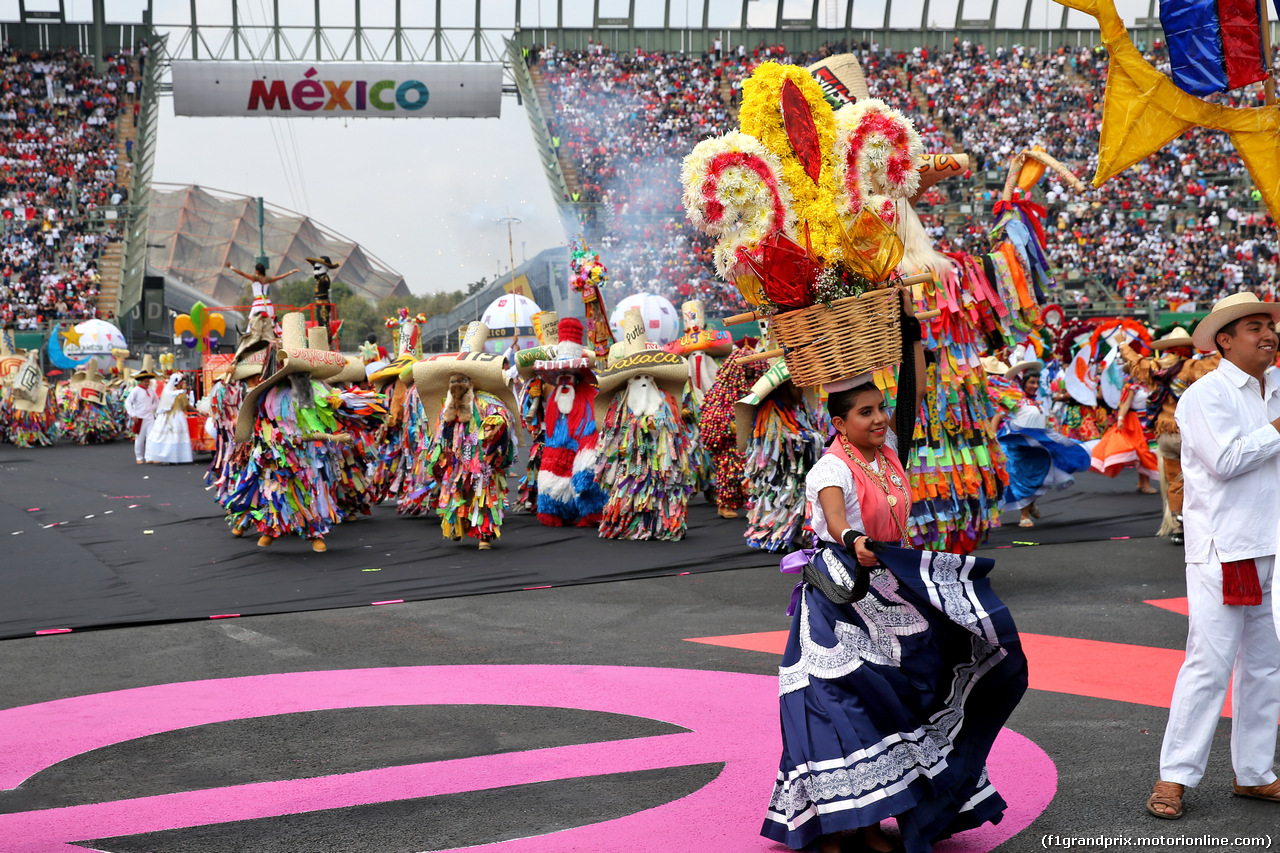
{"x": 780, "y": 431}
{"x": 719, "y": 430}
{"x": 568, "y": 494}
{"x": 360, "y": 413}
{"x": 169, "y": 442}
{"x": 84, "y": 414}
{"x": 701, "y": 347}
{"x": 141, "y": 405}
{"x": 901, "y": 666}
{"x": 1166, "y": 377}
{"x": 1037, "y": 457}
{"x": 27, "y": 413}
{"x": 286, "y": 436}
{"x": 532, "y": 395}
{"x": 467, "y": 397}
{"x": 643, "y": 455}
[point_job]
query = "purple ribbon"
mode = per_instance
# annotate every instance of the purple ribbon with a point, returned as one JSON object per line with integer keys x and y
{"x": 793, "y": 564}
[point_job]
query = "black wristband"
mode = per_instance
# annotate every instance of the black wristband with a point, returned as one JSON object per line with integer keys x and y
{"x": 849, "y": 537}
{"x": 911, "y": 330}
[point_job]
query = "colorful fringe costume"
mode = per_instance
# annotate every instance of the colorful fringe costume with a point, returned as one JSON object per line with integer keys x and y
{"x": 470, "y": 460}
{"x": 567, "y": 492}
{"x": 786, "y": 441}
{"x": 531, "y": 412}
{"x": 29, "y": 429}
{"x": 703, "y": 465}
{"x": 412, "y": 478}
{"x": 719, "y": 436}
{"x": 289, "y": 479}
{"x": 360, "y": 415}
{"x": 225, "y": 400}
{"x": 643, "y": 467}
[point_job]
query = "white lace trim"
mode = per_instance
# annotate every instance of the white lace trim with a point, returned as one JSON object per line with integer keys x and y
{"x": 886, "y": 616}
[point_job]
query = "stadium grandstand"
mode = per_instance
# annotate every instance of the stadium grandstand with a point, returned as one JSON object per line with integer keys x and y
{"x": 194, "y": 232}
{"x": 616, "y": 93}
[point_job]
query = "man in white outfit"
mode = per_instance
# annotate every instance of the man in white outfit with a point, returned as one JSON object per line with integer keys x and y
{"x": 141, "y": 406}
{"x": 1230, "y": 425}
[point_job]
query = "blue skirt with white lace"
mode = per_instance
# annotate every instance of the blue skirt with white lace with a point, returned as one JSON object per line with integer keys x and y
{"x": 890, "y": 704}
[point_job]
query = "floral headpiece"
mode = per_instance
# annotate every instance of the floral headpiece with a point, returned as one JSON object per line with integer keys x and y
{"x": 801, "y": 189}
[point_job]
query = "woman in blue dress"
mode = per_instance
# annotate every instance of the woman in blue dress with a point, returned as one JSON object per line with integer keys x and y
{"x": 900, "y": 668}
{"x": 1038, "y": 458}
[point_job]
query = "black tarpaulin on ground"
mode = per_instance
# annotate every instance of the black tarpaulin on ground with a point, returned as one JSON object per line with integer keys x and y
{"x": 75, "y": 551}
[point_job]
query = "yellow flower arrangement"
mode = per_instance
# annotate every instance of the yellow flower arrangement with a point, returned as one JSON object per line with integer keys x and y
{"x": 761, "y": 117}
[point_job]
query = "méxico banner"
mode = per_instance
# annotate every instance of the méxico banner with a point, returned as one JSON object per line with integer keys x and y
{"x": 337, "y": 89}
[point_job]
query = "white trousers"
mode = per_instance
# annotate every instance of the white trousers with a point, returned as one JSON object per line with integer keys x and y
{"x": 1221, "y": 639}
{"x": 140, "y": 443}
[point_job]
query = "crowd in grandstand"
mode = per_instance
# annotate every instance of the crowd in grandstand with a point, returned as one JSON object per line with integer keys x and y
{"x": 1184, "y": 225}
{"x": 57, "y": 162}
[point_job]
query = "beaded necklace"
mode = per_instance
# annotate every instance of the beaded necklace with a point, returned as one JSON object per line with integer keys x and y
{"x": 882, "y": 478}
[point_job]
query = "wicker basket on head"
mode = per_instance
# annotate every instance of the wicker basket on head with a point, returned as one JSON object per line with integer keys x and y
{"x": 855, "y": 335}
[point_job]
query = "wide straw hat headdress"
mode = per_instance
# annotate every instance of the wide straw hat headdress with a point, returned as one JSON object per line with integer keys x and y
{"x": 1226, "y": 310}
{"x": 744, "y": 411}
{"x": 353, "y": 372}
{"x": 29, "y": 392}
{"x": 301, "y": 351}
{"x": 1178, "y": 337}
{"x": 90, "y": 387}
{"x": 486, "y": 370}
{"x": 670, "y": 371}
{"x": 994, "y": 366}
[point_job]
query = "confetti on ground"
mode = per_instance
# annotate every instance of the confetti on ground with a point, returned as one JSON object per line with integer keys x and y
{"x": 224, "y": 616}
{"x": 371, "y": 570}
{"x": 34, "y": 509}
{"x": 1016, "y": 542}
{"x": 1119, "y": 537}
{"x": 548, "y": 586}
{"x": 88, "y": 516}
{"x": 133, "y": 506}
{"x": 393, "y": 601}
{"x": 147, "y": 532}
{"x": 53, "y": 631}
{"x": 15, "y": 533}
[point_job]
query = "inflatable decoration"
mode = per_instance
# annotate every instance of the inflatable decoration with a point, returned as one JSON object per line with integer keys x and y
{"x": 200, "y": 329}
{"x": 661, "y": 320}
{"x": 509, "y": 318}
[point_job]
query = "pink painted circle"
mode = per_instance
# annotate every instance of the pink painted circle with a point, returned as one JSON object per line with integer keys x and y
{"x": 731, "y": 717}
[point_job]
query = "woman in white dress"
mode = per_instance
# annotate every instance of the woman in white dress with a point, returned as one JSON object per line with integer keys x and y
{"x": 169, "y": 442}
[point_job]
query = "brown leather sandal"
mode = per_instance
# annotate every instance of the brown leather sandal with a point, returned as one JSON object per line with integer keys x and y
{"x": 1169, "y": 795}
{"x": 1270, "y": 793}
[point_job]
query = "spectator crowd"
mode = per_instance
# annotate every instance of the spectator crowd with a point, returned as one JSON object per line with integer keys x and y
{"x": 1186, "y": 224}
{"x": 58, "y": 163}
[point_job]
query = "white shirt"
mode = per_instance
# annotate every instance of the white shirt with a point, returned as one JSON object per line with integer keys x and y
{"x": 140, "y": 403}
{"x": 830, "y": 470}
{"x": 1230, "y": 465}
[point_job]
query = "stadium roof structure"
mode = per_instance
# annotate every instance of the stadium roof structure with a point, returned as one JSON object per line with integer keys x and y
{"x": 195, "y": 231}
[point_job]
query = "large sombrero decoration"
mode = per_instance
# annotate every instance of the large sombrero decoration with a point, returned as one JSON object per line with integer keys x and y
{"x": 353, "y": 372}
{"x": 668, "y": 369}
{"x": 744, "y": 411}
{"x": 28, "y": 390}
{"x": 486, "y": 370}
{"x": 259, "y": 335}
{"x": 294, "y": 356}
{"x": 88, "y": 385}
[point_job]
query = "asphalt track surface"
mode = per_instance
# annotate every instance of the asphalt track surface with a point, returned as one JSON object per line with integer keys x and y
{"x": 577, "y": 717}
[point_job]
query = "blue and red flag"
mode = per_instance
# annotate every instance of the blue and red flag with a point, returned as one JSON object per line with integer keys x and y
{"x": 1214, "y": 45}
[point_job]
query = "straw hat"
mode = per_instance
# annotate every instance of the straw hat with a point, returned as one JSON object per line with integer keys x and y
{"x": 669, "y": 370}
{"x": 353, "y": 372}
{"x": 568, "y": 355}
{"x": 90, "y": 387}
{"x": 323, "y": 259}
{"x": 1179, "y": 337}
{"x": 994, "y": 366}
{"x": 29, "y": 388}
{"x": 259, "y": 335}
{"x": 744, "y": 410}
{"x": 251, "y": 365}
{"x": 1224, "y": 311}
{"x": 486, "y": 370}
{"x": 1023, "y": 367}
{"x": 143, "y": 374}
{"x": 293, "y": 357}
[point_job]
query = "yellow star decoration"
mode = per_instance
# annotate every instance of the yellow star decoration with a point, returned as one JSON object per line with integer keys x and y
{"x": 72, "y": 336}
{"x": 1143, "y": 110}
